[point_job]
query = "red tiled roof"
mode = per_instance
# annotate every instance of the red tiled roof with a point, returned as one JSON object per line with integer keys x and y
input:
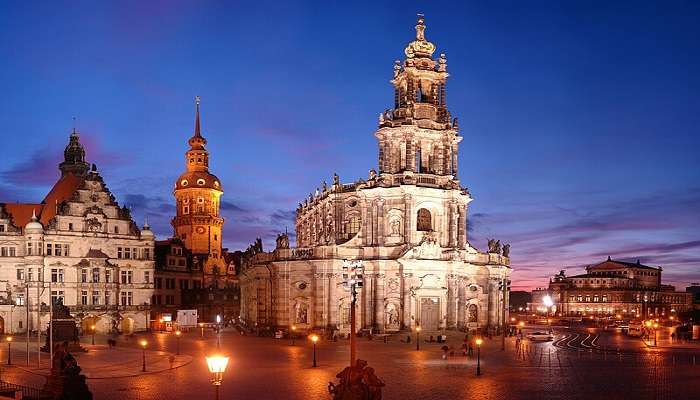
{"x": 62, "y": 190}
{"x": 21, "y": 213}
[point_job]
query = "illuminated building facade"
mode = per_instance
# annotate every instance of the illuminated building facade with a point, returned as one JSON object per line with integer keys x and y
{"x": 610, "y": 288}
{"x": 407, "y": 222}
{"x": 78, "y": 245}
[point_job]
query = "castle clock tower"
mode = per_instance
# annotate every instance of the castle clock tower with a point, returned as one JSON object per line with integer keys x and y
{"x": 197, "y": 192}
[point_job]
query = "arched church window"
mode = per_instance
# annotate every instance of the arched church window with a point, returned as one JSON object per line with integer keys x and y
{"x": 353, "y": 225}
{"x": 473, "y": 313}
{"x": 424, "y": 222}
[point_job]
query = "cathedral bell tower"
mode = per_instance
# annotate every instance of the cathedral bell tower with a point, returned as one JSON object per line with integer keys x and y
{"x": 197, "y": 193}
{"x": 418, "y": 136}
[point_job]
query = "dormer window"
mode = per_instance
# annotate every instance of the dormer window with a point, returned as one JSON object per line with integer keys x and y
{"x": 184, "y": 182}
{"x": 201, "y": 182}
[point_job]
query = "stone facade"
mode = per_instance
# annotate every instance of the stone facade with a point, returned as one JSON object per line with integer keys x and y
{"x": 77, "y": 244}
{"x": 407, "y": 222}
{"x": 610, "y": 288}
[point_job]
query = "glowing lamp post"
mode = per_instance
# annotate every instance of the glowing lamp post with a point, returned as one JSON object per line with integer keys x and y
{"x": 648, "y": 325}
{"x": 201, "y": 326}
{"x": 217, "y": 366}
{"x": 478, "y": 356}
{"x": 92, "y": 328}
{"x": 548, "y": 302}
{"x": 521, "y": 325}
{"x": 143, "y": 344}
{"x": 418, "y": 338}
{"x": 314, "y": 339}
{"x": 293, "y": 333}
{"x": 177, "y": 337}
{"x": 656, "y": 326}
{"x": 9, "y": 350}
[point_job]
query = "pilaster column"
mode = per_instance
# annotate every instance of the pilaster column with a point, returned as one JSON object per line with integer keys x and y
{"x": 453, "y": 224}
{"x": 380, "y": 222}
{"x": 461, "y": 228}
{"x": 408, "y": 217}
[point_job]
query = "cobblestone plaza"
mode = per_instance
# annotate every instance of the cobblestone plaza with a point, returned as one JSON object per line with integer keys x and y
{"x": 585, "y": 364}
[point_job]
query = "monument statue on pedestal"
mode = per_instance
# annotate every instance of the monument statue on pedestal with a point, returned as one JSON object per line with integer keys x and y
{"x": 64, "y": 329}
{"x": 357, "y": 383}
{"x": 65, "y": 381}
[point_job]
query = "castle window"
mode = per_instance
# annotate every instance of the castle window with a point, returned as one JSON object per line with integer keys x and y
{"x": 201, "y": 182}
{"x": 2, "y": 228}
{"x": 424, "y": 221}
{"x": 70, "y": 226}
{"x": 116, "y": 229}
{"x": 184, "y": 182}
{"x": 200, "y": 200}
{"x": 186, "y": 200}
{"x": 83, "y": 275}
{"x": 216, "y": 237}
{"x": 95, "y": 274}
{"x": 216, "y": 183}
{"x": 185, "y": 209}
{"x": 199, "y": 159}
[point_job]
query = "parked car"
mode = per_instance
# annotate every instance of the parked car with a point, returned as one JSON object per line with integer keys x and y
{"x": 540, "y": 336}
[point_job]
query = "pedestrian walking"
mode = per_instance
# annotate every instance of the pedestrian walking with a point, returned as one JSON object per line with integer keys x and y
{"x": 470, "y": 352}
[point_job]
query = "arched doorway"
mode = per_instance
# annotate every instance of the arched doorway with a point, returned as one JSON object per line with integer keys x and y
{"x": 127, "y": 326}
{"x": 88, "y": 322}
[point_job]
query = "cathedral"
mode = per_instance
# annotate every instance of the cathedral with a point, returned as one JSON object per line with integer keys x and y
{"x": 407, "y": 223}
{"x": 77, "y": 246}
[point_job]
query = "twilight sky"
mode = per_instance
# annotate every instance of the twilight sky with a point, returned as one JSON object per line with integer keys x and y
{"x": 580, "y": 119}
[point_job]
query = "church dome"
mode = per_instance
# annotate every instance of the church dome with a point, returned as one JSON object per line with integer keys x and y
{"x": 34, "y": 226}
{"x": 146, "y": 232}
{"x": 198, "y": 180}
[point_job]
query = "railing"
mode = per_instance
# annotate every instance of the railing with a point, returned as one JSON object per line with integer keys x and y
{"x": 28, "y": 393}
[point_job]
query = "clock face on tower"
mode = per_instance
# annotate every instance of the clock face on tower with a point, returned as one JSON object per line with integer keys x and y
{"x": 199, "y": 229}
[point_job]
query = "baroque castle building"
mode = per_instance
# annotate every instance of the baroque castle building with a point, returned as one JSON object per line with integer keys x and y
{"x": 407, "y": 222}
{"x": 77, "y": 245}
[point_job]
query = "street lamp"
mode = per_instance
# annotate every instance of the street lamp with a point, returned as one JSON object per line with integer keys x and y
{"x": 177, "y": 337}
{"x": 648, "y": 325}
{"x": 314, "y": 339}
{"x": 521, "y": 325}
{"x": 92, "y": 328}
{"x": 293, "y": 333}
{"x": 201, "y": 326}
{"x": 218, "y": 331}
{"x": 143, "y": 344}
{"x": 9, "y": 350}
{"x": 478, "y": 356}
{"x": 217, "y": 366}
{"x": 418, "y": 338}
{"x": 655, "y": 330}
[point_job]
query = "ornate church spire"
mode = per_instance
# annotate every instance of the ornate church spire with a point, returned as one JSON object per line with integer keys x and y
{"x": 420, "y": 47}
